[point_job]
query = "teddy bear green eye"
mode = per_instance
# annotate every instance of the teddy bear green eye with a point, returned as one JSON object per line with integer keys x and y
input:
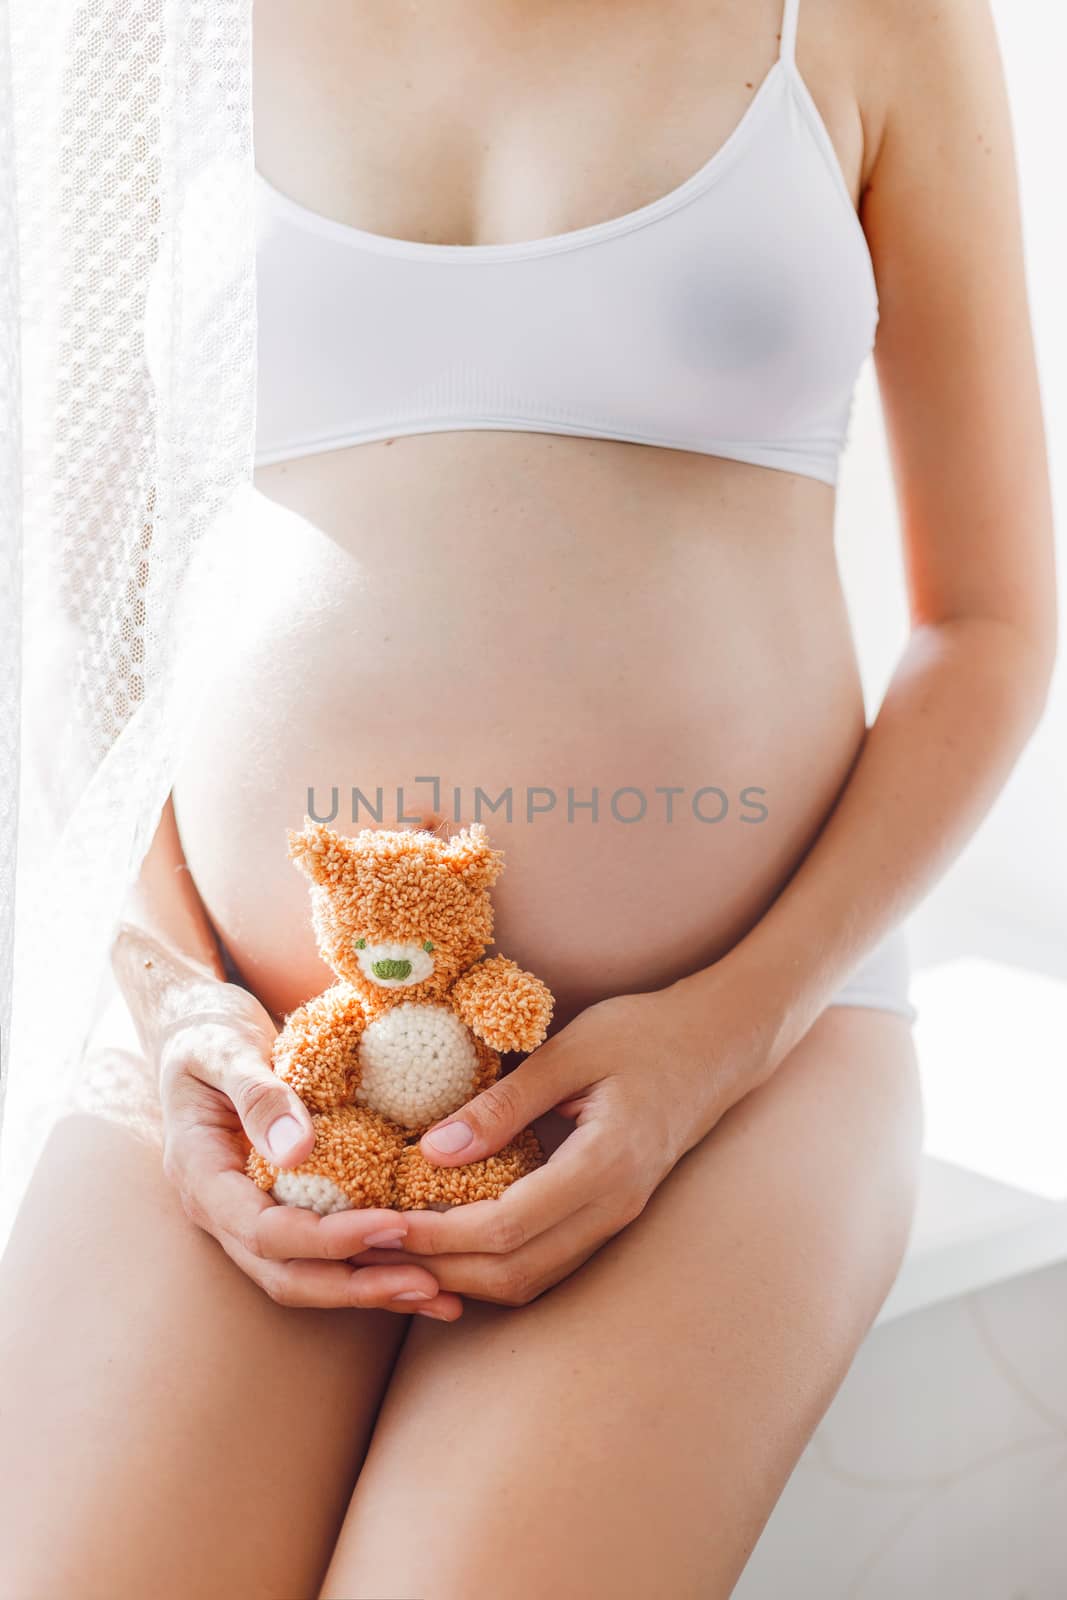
{"x": 361, "y": 944}
{"x": 427, "y": 945}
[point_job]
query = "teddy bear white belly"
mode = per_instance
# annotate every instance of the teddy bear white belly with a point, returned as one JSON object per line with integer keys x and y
{"x": 417, "y": 1063}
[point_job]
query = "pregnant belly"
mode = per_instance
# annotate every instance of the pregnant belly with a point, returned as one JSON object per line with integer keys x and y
{"x": 652, "y": 719}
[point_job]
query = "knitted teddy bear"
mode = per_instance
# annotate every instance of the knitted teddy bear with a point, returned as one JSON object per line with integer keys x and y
{"x": 411, "y": 1030}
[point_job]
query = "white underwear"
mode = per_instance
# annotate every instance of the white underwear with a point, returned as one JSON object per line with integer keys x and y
{"x": 882, "y": 978}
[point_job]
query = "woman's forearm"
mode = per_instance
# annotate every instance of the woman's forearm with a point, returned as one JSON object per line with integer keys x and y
{"x": 964, "y": 699}
{"x": 165, "y": 955}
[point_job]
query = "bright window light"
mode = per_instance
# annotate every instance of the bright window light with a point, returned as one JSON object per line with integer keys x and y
{"x": 992, "y": 1043}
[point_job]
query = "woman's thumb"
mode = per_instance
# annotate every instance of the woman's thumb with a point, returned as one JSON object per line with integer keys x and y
{"x": 276, "y": 1121}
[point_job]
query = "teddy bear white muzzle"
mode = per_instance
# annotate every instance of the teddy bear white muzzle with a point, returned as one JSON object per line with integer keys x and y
{"x": 395, "y": 966}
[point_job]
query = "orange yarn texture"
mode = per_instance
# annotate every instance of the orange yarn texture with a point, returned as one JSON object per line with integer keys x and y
{"x": 413, "y": 1027}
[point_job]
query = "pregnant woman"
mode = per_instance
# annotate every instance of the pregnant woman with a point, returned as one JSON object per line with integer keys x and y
{"x": 560, "y": 312}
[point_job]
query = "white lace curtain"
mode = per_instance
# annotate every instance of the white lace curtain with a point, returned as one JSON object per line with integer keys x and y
{"x": 127, "y": 383}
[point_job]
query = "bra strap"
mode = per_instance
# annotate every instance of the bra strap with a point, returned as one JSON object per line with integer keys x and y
{"x": 788, "y": 42}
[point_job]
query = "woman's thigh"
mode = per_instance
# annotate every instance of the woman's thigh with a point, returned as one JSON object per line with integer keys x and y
{"x": 629, "y": 1432}
{"x": 166, "y": 1429}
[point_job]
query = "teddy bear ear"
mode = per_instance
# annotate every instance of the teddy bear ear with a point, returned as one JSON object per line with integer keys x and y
{"x": 470, "y": 854}
{"x": 320, "y": 853}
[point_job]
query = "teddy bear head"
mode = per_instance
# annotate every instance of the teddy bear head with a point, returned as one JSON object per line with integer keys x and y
{"x": 400, "y": 915}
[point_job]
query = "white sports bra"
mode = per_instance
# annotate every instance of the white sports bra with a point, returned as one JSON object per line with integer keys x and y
{"x": 729, "y": 317}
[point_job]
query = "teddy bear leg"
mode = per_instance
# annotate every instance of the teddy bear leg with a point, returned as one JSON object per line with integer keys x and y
{"x": 422, "y": 1186}
{"x": 351, "y": 1166}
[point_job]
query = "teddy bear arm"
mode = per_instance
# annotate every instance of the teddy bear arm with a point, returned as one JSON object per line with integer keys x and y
{"x": 506, "y": 1007}
{"x": 317, "y": 1051}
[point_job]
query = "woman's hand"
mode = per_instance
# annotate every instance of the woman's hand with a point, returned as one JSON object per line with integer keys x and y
{"x": 645, "y": 1077}
{"x": 218, "y": 1094}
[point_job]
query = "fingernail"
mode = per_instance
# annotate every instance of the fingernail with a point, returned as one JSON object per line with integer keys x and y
{"x": 387, "y": 1239}
{"x": 283, "y": 1136}
{"x": 439, "y": 1316}
{"x": 452, "y": 1137}
{"x": 414, "y": 1294}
